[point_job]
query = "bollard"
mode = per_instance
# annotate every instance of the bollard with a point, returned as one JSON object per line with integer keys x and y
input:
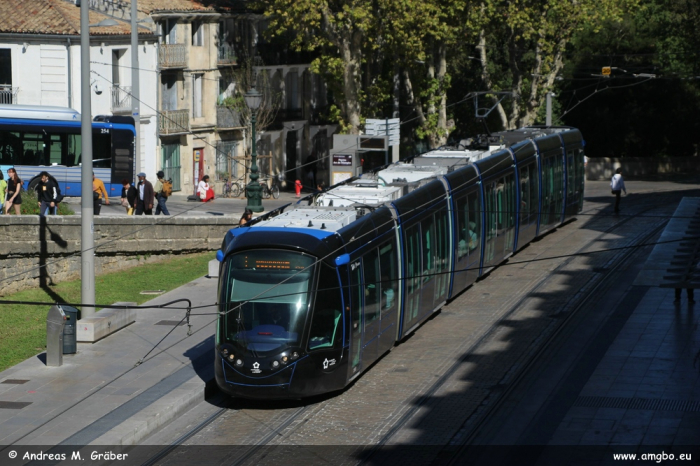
{"x": 55, "y": 320}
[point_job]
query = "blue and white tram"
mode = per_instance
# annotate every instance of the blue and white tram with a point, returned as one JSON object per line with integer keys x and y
{"x": 310, "y": 298}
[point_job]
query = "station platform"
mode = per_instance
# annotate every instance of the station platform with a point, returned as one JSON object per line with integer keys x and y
{"x": 639, "y": 383}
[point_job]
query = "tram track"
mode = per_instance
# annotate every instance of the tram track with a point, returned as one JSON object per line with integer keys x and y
{"x": 472, "y": 423}
{"x": 288, "y": 423}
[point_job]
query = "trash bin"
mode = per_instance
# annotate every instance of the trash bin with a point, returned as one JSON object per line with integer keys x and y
{"x": 70, "y": 330}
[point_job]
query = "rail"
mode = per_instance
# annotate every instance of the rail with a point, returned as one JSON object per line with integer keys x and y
{"x": 172, "y": 56}
{"x": 174, "y": 121}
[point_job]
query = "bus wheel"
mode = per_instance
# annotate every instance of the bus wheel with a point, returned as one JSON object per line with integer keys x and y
{"x": 34, "y": 183}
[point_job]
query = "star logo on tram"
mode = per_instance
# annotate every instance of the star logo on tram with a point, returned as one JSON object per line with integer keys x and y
{"x": 256, "y": 365}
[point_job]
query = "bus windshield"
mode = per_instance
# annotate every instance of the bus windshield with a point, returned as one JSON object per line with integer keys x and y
{"x": 267, "y": 298}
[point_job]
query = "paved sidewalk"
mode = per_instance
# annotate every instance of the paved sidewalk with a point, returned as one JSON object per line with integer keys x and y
{"x": 98, "y": 396}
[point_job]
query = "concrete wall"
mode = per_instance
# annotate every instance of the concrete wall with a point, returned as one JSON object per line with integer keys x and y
{"x": 603, "y": 168}
{"x": 122, "y": 242}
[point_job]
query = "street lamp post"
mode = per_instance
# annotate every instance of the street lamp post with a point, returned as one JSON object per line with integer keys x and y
{"x": 135, "y": 91}
{"x": 253, "y": 99}
{"x": 87, "y": 240}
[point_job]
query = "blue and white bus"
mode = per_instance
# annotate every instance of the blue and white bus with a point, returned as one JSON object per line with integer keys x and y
{"x": 37, "y": 138}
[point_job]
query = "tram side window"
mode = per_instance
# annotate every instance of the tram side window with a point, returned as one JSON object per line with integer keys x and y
{"x": 509, "y": 201}
{"x": 491, "y": 214}
{"x": 534, "y": 194}
{"x": 571, "y": 172}
{"x": 370, "y": 263}
{"x": 524, "y": 196}
{"x": 326, "y": 324}
{"x": 389, "y": 285}
{"x": 429, "y": 249}
{"x": 462, "y": 227}
{"x": 474, "y": 224}
{"x": 442, "y": 240}
{"x": 413, "y": 271}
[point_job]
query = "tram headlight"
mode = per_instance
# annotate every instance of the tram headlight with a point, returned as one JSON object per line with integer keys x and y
{"x": 239, "y": 362}
{"x": 227, "y": 352}
{"x": 284, "y": 359}
{"x": 275, "y": 364}
{"x": 294, "y": 356}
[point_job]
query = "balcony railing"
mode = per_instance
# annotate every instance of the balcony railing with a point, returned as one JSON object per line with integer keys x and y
{"x": 226, "y": 55}
{"x": 8, "y": 94}
{"x": 121, "y": 99}
{"x": 172, "y": 56}
{"x": 174, "y": 121}
{"x": 227, "y": 118}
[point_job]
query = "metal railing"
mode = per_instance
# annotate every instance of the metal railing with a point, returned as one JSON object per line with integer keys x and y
{"x": 121, "y": 98}
{"x": 174, "y": 121}
{"x": 8, "y": 94}
{"x": 172, "y": 55}
{"x": 227, "y": 118}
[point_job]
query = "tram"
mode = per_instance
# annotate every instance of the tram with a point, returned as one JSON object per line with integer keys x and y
{"x": 310, "y": 298}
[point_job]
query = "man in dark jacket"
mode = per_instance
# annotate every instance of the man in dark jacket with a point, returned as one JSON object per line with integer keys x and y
{"x": 47, "y": 194}
{"x": 146, "y": 198}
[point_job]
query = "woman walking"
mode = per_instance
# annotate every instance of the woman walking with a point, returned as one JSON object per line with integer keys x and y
{"x": 14, "y": 186}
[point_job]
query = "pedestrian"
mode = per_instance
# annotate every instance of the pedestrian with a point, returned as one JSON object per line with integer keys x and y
{"x": 245, "y": 218}
{"x": 13, "y": 196}
{"x": 47, "y": 194}
{"x": 3, "y": 191}
{"x": 204, "y": 190}
{"x": 617, "y": 185}
{"x": 99, "y": 192}
{"x": 161, "y": 198}
{"x": 691, "y": 295}
{"x": 129, "y": 195}
{"x": 297, "y": 187}
{"x": 146, "y": 196}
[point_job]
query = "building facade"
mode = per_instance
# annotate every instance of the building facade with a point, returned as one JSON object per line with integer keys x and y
{"x": 40, "y": 63}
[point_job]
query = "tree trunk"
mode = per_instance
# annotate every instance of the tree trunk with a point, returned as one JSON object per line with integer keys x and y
{"x": 486, "y": 76}
{"x": 351, "y": 52}
{"x": 411, "y": 99}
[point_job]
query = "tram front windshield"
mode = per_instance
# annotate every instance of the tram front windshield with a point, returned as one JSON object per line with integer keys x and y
{"x": 266, "y": 299}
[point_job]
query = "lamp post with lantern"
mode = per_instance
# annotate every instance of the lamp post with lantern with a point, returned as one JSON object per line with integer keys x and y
{"x": 253, "y": 99}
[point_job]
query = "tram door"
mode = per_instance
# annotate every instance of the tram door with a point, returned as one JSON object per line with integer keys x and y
{"x": 371, "y": 317}
{"x": 356, "y": 316}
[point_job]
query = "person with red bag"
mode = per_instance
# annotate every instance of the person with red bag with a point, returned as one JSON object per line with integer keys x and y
{"x": 204, "y": 190}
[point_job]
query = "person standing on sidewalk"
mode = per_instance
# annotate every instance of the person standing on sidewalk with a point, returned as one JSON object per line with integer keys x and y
{"x": 617, "y": 185}
{"x": 145, "y": 200}
{"x": 161, "y": 198}
{"x": 47, "y": 195}
{"x": 99, "y": 192}
{"x": 129, "y": 195}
